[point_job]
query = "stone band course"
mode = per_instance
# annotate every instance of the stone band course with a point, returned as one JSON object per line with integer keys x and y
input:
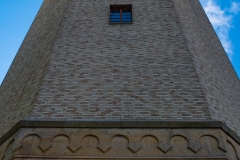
{"x": 100, "y": 143}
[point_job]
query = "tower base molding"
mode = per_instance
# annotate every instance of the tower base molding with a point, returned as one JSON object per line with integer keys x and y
{"x": 127, "y": 141}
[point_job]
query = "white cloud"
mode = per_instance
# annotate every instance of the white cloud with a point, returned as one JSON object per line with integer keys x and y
{"x": 222, "y": 21}
{"x": 235, "y": 8}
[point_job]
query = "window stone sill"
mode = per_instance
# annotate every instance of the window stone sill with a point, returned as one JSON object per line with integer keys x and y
{"x": 120, "y": 23}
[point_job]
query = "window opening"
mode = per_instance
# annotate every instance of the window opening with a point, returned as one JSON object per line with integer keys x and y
{"x": 121, "y": 13}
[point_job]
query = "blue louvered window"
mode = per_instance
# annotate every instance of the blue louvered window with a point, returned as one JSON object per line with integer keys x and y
{"x": 121, "y": 13}
{"x": 126, "y": 15}
{"x": 115, "y": 15}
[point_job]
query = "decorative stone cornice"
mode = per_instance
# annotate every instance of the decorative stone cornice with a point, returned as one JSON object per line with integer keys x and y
{"x": 29, "y": 123}
{"x": 124, "y": 143}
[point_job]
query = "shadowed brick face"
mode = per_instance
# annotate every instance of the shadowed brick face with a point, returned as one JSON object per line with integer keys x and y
{"x": 21, "y": 84}
{"x": 218, "y": 78}
{"x": 73, "y": 64}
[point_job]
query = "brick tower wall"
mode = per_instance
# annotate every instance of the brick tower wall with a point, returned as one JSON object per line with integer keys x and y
{"x": 73, "y": 64}
{"x": 217, "y": 76}
{"x": 133, "y": 71}
{"x": 21, "y": 84}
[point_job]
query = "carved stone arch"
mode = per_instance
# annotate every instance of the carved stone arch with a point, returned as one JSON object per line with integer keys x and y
{"x": 220, "y": 142}
{"x": 33, "y": 134}
{"x": 64, "y": 135}
{"x": 205, "y": 135}
{"x": 234, "y": 149}
{"x": 153, "y": 137}
{"x": 8, "y": 149}
{"x": 60, "y": 143}
{"x": 179, "y": 135}
{"x": 21, "y": 135}
{"x": 90, "y": 135}
{"x": 179, "y": 145}
{"x": 121, "y": 135}
{"x": 29, "y": 144}
{"x": 46, "y": 139}
{"x": 93, "y": 136}
{"x": 124, "y": 137}
{"x": 150, "y": 135}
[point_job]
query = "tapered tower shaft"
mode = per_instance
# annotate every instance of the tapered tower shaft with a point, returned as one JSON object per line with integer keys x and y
{"x": 120, "y": 79}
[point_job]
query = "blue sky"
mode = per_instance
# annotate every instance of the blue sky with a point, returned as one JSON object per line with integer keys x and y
{"x": 225, "y": 18}
{"x": 16, "y": 17}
